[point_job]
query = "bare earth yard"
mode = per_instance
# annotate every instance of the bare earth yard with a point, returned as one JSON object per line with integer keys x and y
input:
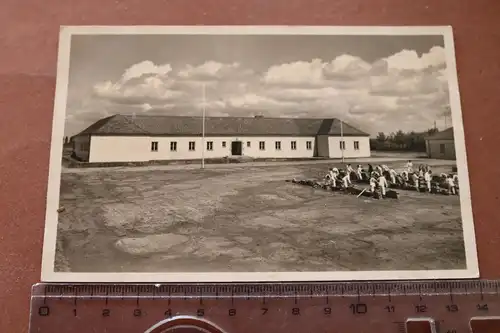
{"x": 247, "y": 218}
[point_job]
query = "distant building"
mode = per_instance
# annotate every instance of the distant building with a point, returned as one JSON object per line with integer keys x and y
{"x": 123, "y": 138}
{"x": 441, "y": 145}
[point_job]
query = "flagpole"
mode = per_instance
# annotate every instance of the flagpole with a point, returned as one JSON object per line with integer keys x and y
{"x": 342, "y": 143}
{"x": 203, "y": 129}
{"x": 342, "y": 139}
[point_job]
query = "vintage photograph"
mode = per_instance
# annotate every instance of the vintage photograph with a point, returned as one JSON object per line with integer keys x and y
{"x": 219, "y": 154}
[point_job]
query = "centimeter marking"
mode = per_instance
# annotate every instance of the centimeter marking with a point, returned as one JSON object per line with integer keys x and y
{"x": 270, "y": 290}
{"x": 450, "y": 303}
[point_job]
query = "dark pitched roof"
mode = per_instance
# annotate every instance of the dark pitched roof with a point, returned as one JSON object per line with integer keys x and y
{"x": 447, "y": 134}
{"x": 215, "y": 126}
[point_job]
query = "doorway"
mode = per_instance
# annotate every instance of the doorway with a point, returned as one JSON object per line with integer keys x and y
{"x": 236, "y": 148}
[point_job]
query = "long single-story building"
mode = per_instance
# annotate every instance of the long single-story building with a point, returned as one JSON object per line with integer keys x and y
{"x": 139, "y": 138}
{"x": 441, "y": 145}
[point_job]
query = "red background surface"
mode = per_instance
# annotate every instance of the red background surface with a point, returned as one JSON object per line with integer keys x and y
{"x": 28, "y": 44}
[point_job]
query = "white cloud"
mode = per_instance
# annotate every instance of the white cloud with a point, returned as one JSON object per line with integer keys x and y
{"x": 370, "y": 104}
{"x": 410, "y": 60}
{"x": 142, "y": 83}
{"x": 149, "y": 90}
{"x": 106, "y": 88}
{"x": 302, "y": 94}
{"x": 296, "y": 73}
{"x": 347, "y": 66}
{"x": 251, "y": 100}
{"x": 400, "y": 91}
{"x": 145, "y": 68}
{"x": 152, "y": 87}
{"x": 146, "y": 107}
{"x": 216, "y": 104}
{"x": 317, "y": 72}
{"x": 84, "y": 112}
{"x": 404, "y": 84}
{"x": 212, "y": 70}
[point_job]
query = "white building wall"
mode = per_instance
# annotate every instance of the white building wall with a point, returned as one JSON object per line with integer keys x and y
{"x": 349, "y": 151}
{"x": 139, "y": 148}
{"x": 301, "y": 150}
{"x": 442, "y": 149}
{"x": 119, "y": 149}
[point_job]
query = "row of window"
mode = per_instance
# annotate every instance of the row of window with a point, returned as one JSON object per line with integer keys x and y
{"x": 210, "y": 145}
{"x": 342, "y": 145}
{"x": 262, "y": 145}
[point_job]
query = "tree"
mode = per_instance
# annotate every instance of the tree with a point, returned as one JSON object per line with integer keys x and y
{"x": 381, "y": 137}
{"x": 432, "y": 131}
{"x": 399, "y": 137}
{"x": 399, "y": 140}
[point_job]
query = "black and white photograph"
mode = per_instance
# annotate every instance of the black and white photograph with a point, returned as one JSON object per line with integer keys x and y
{"x": 254, "y": 153}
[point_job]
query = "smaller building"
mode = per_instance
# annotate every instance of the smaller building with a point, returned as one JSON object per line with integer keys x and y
{"x": 441, "y": 145}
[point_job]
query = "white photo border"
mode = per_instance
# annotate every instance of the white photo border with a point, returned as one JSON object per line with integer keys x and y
{"x": 53, "y": 190}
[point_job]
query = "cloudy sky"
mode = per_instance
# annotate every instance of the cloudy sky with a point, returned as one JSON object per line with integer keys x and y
{"x": 377, "y": 83}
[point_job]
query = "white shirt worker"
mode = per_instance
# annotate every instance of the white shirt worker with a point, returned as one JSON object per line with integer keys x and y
{"x": 382, "y": 182}
{"x": 427, "y": 178}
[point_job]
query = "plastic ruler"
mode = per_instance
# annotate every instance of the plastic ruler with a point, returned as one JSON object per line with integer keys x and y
{"x": 340, "y": 307}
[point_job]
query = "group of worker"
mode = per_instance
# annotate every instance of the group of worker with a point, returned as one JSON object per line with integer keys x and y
{"x": 380, "y": 176}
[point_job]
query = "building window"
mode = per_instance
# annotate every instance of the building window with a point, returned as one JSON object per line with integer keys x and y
{"x": 309, "y": 145}
{"x": 262, "y": 145}
{"x": 154, "y": 146}
{"x": 223, "y": 144}
{"x": 277, "y": 145}
{"x": 442, "y": 148}
{"x": 191, "y": 145}
{"x": 248, "y": 144}
{"x": 356, "y": 145}
{"x": 173, "y": 146}
{"x": 293, "y": 145}
{"x": 342, "y": 145}
{"x": 210, "y": 145}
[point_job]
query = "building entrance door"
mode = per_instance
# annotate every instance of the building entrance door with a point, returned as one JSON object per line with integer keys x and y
{"x": 236, "y": 148}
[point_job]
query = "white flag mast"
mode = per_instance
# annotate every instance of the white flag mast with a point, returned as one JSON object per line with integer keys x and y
{"x": 446, "y": 113}
{"x": 342, "y": 139}
{"x": 203, "y": 127}
{"x": 342, "y": 143}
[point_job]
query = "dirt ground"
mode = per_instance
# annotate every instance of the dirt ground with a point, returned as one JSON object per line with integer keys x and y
{"x": 247, "y": 218}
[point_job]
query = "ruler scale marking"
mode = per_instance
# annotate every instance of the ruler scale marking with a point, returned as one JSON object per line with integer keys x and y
{"x": 382, "y": 304}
